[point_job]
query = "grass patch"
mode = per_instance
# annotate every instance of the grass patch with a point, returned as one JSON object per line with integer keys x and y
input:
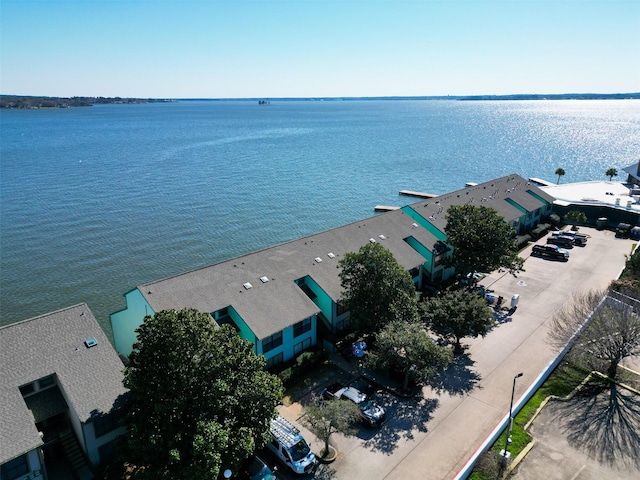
{"x": 562, "y": 381}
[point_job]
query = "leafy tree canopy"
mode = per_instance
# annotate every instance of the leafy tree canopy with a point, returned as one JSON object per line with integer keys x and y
{"x": 574, "y": 217}
{"x": 325, "y": 418}
{"x": 611, "y": 172}
{"x": 560, "y": 172}
{"x": 481, "y": 240}
{"x": 376, "y": 288}
{"x": 201, "y": 401}
{"x": 407, "y": 346}
{"x": 458, "y": 314}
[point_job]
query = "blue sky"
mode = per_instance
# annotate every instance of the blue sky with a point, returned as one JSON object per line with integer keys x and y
{"x": 309, "y": 48}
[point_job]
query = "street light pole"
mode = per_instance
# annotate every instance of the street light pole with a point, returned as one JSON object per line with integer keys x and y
{"x": 508, "y": 439}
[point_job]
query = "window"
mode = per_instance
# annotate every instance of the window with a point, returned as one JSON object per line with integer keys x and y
{"x": 27, "y": 389}
{"x": 341, "y": 308}
{"x": 303, "y": 345}
{"x": 302, "y": 327}
{"x": 271, "y": 342}
{"x": 275, "y": 360}
{"x": 14, "y": 468}
{"x": 46, "y": 382}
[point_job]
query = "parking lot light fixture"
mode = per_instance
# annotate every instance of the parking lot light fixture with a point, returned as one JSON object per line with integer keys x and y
{"x": 505, "y": 453}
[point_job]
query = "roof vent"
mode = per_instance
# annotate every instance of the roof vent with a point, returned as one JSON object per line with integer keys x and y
{"x": 331, "y": 255}
{"x": 414, "y": 225}
{"x": 91, "y": 342}
{"x": 318, "y": 259}
{"x": 264, "y": 279}
{"x": 247, "y": 285}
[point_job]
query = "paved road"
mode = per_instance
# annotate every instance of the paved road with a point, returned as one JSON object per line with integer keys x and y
{"x": 433, "y": 439}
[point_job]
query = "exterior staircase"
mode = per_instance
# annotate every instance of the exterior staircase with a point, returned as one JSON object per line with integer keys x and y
{"x": 75, "y": 456}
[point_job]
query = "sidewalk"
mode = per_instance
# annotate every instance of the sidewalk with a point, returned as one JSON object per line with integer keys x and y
{"x": 456, "y": 423}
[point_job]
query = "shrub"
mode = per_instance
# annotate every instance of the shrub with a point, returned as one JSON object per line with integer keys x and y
{"x": 298, "y": 367}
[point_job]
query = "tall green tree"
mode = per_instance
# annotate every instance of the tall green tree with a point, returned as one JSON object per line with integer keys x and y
{"x": 458, "y": 314}
{"x": 560, "y": 173}
{"x": 611, "y": 172}
{"x": 482, "y": 241}
{"x": 574, "y": 217}
{"x": 407, "y": 346}
{"x": 200, "y": 399}
{"x": 376, "y": 288}
{"x": 324, "y": 418}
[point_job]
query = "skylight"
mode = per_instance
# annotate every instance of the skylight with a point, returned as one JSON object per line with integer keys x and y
{"x": 264, "y": 279}
{"x": 246, "y": 285}
{"x": 331, "y": 255}
{"x": 318, "y": 259}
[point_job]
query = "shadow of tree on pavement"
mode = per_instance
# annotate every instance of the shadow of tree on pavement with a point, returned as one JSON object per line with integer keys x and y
{"x": 604, "y": 421}
{"x": 404, "y": 416}
{"x": 456, "y": 379}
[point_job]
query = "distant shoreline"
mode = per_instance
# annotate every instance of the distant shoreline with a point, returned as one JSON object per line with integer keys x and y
{"x": 28, "y": 102}
{"x": 39, "y": 102}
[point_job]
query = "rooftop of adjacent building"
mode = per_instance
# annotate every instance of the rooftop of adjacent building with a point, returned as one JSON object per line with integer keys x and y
{"x": 611, "y": 194}
{"x": 68, "y": 344}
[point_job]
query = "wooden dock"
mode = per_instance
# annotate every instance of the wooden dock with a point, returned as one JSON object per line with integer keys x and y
{"x": 384, "y": 208}
{"x": 411, "y": 193}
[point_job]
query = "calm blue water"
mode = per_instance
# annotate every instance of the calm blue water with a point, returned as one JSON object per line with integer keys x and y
{"x": 95, "y": 201}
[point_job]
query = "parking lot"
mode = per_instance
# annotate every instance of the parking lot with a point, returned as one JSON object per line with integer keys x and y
{"x": 432, "y": 436}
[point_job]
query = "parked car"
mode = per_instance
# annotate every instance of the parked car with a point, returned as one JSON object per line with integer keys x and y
{"x": 371, "y": 413}
{"x": 256, "y": 469}
{"x": 290, "y": 447}
{"x": 561, "y": 241}
{"x": 579, "y": 239}
{"x": 623, "y": 230}
{"x": 550, "y": 251}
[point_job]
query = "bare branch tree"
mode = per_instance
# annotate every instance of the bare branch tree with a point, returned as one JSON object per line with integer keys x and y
{"x": 601, "y": 330}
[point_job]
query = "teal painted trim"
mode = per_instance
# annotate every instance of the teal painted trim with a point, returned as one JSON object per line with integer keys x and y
{"x": 322, "y": 300}
{"x": 245, "y": 332}
{"x": 516, "y": 205}
{"x": 538, "y": 197}
{"x": 424, "y": 223}
{"x": 421, "y": 249}
{"x": 125, "y": 322}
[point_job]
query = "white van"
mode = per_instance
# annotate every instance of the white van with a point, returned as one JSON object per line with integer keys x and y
{"x": 291, "y": 447}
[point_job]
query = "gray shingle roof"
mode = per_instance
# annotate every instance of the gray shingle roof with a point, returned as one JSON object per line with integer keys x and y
{"x": 489, "y": 194}
{"x": 279, "y": 303}
{"x": 270, "y": 307}
{"x": 90, "y": 378}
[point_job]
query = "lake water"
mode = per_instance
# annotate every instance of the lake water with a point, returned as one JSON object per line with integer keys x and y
{"x": 95, "y": 201}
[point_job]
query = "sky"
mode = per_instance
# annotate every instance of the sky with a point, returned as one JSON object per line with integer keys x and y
{"x": 317, "y": 48}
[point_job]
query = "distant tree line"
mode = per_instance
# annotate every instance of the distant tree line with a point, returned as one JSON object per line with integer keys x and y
{"x": 17, "y": 101}
{"x": 560, "y": 96}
